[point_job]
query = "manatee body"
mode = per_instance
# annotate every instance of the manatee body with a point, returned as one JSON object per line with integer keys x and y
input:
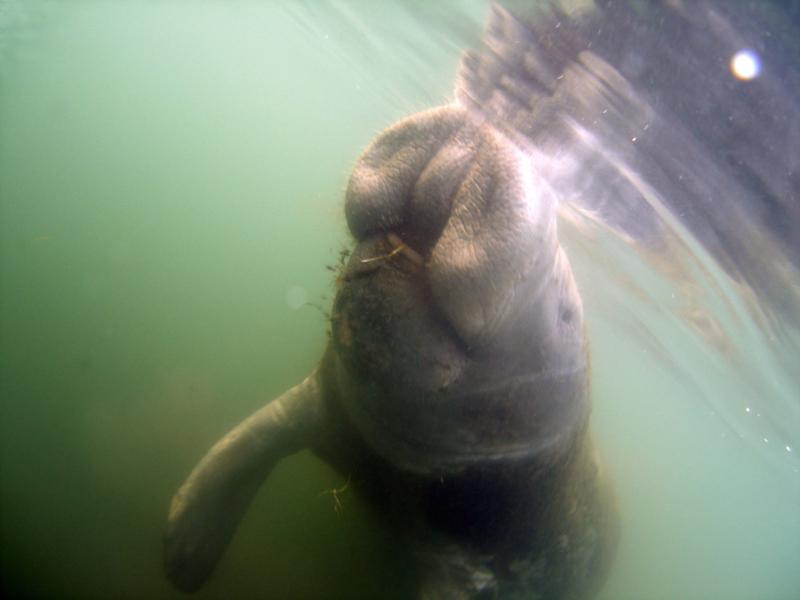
{"x": 455, "y": 390}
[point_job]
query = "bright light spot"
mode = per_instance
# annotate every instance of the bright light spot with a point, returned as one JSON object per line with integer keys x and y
{"x": 745, "y": 65}
{"x": 766, "y": 441}
{"x": 296, "y": 297}
{"x": 747, "y": 409}
{"x": 788, "y": 448}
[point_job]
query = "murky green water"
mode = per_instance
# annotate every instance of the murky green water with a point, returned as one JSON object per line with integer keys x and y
{"x": 171, "y": 183}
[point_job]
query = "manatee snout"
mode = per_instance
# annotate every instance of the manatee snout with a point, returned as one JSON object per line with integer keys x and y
{"x": 455, "y": 198}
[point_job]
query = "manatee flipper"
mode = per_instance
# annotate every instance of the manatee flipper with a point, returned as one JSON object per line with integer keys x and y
{"x": 207, "y": 508}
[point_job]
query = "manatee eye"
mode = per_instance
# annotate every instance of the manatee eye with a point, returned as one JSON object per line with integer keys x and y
{"x": 566, "y": 315}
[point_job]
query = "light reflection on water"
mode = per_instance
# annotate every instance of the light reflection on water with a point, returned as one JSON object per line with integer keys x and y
{"x": 125, "y": 127}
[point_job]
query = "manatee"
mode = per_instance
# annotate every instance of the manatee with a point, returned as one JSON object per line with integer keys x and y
{"x": 454, "y": 392}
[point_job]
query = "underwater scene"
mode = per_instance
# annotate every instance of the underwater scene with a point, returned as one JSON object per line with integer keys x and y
{"x": 198, "y": 207}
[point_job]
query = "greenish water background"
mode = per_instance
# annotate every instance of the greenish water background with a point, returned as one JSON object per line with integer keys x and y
{"x": 171, "y": 176}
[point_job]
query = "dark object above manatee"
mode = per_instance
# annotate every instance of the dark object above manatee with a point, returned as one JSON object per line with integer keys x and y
{"x": 454, "y": 393}
{"x": 637, "y": 117}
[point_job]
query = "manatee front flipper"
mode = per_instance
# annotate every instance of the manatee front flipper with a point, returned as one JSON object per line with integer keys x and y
{"x": 207, "y": 508}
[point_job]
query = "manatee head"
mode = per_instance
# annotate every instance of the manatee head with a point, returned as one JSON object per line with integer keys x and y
{"x": 457, "y": 328}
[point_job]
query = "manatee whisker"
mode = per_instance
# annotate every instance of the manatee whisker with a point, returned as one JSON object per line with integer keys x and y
{"x": 382, "y": 256}
{"x": 399, "y": 246}
{"x": 338, "y": 507}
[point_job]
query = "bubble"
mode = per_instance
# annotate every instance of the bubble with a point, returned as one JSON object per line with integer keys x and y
{"x": 296, "y": 297}
{"x": 745, "y": 65}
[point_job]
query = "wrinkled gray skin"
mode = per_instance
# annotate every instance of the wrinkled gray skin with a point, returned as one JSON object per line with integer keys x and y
{"x": 454, "y": 392}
